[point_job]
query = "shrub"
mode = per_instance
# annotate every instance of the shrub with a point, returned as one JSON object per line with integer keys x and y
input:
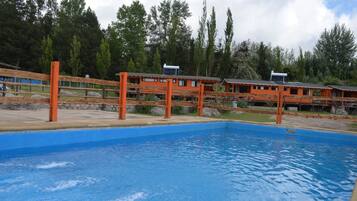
{"x": 146, "y": 109}
{"x": 177, "y": 110}
{"x": 242, "y": 104}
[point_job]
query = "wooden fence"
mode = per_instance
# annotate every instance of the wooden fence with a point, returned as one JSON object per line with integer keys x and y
{"x": 57, "y": 89}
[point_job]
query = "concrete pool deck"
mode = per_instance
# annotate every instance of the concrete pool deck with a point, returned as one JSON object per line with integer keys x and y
{"x": 18, "y": 120}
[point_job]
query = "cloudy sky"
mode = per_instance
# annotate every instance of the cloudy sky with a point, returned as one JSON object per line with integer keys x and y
{"x": 287, "y": 23}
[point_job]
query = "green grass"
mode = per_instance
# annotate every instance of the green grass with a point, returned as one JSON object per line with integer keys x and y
{"x": 254, "y": 117}
{"x": 353, "y": 127}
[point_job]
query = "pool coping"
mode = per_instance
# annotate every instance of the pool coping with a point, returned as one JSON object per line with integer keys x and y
{"x": 39, "y": 126}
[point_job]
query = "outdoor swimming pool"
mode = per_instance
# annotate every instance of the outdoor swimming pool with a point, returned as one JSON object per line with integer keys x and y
{"x": 208, "y": 161}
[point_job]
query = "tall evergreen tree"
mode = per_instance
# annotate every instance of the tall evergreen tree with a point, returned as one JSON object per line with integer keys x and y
{"x": 226, "y": 60}
{"x": 278, "y": 59}
{"x": 47, "y": 54}
{"x": 263, "y": 67}
{"x": 301, "y": 66}
{"x": 212, "y": 33}
{"x": 336, "y": 49}
{"x": 75, "y": 60}
{"x": 199, "y": 54}
{"x": 103, "y": 59}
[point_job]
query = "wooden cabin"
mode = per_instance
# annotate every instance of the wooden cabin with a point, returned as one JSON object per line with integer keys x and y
{"x": 189, "y": 83}
{"x": 344, "y": 91}
{"x": 294, "y": 92}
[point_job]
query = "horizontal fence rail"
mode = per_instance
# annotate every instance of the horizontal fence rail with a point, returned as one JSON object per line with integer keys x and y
{"x": 22, "y": 87}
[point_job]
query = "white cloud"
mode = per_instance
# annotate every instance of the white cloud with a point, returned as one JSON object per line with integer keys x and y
{"x": 287, "y": 23}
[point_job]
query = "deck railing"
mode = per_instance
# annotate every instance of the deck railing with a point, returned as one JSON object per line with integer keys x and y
{"x": 79, "y": 90}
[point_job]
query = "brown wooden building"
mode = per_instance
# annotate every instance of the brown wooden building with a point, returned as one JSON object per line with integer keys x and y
{"x": 190, "y": 83}
{"x": 263, "y": 91}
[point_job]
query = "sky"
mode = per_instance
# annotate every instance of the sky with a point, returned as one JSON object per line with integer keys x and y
{"x": 287, "y": 23}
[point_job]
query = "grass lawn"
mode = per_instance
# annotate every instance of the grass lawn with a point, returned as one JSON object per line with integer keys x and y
{"x": 354, "y": 127}
{"x": 254, "y": 117}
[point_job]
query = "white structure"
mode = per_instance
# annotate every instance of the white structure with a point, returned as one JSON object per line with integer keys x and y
{"x": 171, "y": 70}
{"x": 278, "y": 77}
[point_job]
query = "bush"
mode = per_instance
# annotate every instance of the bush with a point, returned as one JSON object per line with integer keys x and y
{"x": 217, "y": 87}
{"x": 177, "y": 110}
{"x": 146, "y": 109}
{"x": 242, "y": 104}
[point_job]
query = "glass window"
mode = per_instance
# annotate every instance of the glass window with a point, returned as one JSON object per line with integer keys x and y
{"x": 294, "y": 91}
{"x": 182, "y": 83}
{"x": 194, "y": 83}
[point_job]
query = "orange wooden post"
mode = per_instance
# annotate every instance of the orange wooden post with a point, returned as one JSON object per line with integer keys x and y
{"x": 168, "y": 99}
{"x": 122, "y": 95}
{"x": 200, "y": 100}
{"x": 279, "y": 111}
{"x": 54, "y": 78}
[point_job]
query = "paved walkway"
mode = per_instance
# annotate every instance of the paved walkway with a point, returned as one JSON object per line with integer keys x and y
{"x": 13, "y": 120}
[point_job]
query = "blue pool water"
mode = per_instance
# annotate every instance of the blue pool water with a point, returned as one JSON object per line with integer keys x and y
{"x": 216, "y": 161}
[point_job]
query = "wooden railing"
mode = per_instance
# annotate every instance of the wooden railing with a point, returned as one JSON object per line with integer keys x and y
{"x": 77, "y": 90}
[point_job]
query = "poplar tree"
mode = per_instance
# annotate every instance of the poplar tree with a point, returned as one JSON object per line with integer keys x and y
{"x": 131, "y": 66}
{"x": 157, "y": 62}
{"x": 200, "y": 41}
{"x": 212, "y": 33}
{"x": 226, "y": 61}
{"x": 103, "y": 59}
{"x": 74, "y": 60}
{"x": 47, "y": 54}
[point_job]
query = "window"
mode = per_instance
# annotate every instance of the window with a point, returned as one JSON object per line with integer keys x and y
{"x": 266, "y": 88}
{"x": 306, "y": 92}
{"x": 274, "y": 88}
{"x": 294, "y": 91}
{"x": 182, "y": 83}
{"x": 194, "y": 83}
{"x": 148, "y": 80}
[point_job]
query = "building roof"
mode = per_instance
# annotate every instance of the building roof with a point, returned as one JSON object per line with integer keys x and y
{"x": 344, "y": 88}
{"x": 250, "y": 82}
{"x": 184, "y": 77}
{"x": 4, "y": 65}
{"x": 272, "y": 83}
{"x": 306, "y": 85}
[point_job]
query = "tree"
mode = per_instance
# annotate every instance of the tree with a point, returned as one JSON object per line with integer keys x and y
{"x": 157, "y": 62}
{"x": 74, "y": 60}
{"x": 212, "y": 33}
{"x": 47, "y": 54}
{"x": 226, "y": 60}
{"x": 241, "y": 62}
{"x": 336, "y": 49}
{"x": 278, "y": 59}
{"x": 75, "y": 19}
{"x": 263, "y": 67}
{"x": 103, "y": 59}
{"x": 131, "y": 66}
{"x": 131, "y": 28}
{"x": 200, "y": 41}
{"x": 171, "y": 45}
{"x": 301, "y": 66}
